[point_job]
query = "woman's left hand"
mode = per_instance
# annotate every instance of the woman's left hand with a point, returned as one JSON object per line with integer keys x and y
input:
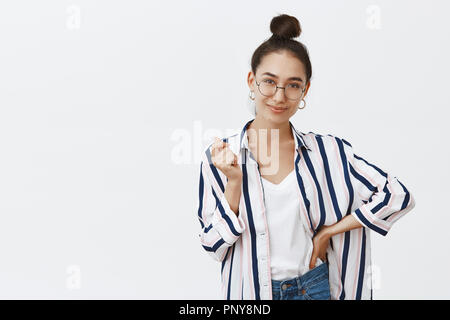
{"x": 320, "y": 245}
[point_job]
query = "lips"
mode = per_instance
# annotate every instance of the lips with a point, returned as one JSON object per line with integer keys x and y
{"x": 276, "y": 108}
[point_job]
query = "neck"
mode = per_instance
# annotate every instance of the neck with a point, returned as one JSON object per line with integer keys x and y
{"x": 284, "y": 131}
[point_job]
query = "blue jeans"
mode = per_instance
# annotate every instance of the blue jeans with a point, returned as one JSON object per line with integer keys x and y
{"x": 313, "y": 285}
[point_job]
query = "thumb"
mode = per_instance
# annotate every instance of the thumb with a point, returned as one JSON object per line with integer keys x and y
{"x": 235, "y": 159}
{"x": 312, "y": 262}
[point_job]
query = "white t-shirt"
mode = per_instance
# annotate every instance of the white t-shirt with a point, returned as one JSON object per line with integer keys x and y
{"x": 290, "y": 245}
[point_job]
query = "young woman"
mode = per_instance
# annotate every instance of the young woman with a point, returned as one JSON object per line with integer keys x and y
{"x": 289, "y": 214}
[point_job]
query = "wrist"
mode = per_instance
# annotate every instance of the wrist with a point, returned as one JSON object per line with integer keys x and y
{"x": 329, "y": 231}
{"x": 235, "y": 181}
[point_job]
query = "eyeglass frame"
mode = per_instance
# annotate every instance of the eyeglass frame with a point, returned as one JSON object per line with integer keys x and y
{"x": 276, "y": 88}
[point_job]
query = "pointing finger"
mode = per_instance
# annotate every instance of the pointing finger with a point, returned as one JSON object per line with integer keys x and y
{"x": 219, "y": 143}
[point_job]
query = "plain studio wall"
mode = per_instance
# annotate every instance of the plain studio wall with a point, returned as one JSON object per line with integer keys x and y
{"x": 106, "y": 106}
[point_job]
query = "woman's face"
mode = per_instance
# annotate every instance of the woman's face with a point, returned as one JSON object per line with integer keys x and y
{"x": 278, "y": 68}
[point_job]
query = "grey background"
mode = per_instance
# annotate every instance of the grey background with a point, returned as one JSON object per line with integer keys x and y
{"x": 97, "y": 97}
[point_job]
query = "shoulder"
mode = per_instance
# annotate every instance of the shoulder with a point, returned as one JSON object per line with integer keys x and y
{"x": 326, "y": 140}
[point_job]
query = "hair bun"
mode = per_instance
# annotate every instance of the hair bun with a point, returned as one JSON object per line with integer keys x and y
{"x": 285, "y": 26}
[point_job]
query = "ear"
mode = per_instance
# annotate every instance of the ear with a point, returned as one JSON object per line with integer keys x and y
{"x": 307, "y": 88}
{"x": 251, "y": 80}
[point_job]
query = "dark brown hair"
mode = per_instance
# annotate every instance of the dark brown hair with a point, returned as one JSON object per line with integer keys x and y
{"x": 283, "y": 28}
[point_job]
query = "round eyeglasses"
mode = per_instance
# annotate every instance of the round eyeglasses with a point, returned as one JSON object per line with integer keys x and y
{"x": 268, "y": 88}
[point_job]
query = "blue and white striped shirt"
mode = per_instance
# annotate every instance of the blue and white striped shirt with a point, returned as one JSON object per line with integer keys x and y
{"x": 332, "y": 182}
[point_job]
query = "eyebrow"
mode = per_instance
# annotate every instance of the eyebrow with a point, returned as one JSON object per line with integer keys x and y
{"x": 275, "y": 76}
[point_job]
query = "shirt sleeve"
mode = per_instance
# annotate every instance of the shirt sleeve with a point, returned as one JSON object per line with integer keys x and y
{"x": 385, "y": 199}
{"x": 221, "y": 228}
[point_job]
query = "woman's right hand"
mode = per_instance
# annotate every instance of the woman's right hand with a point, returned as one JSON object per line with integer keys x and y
{"x": 225, "y": 160}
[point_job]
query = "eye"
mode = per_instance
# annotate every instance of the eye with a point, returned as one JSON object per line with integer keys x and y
{"x": 270, "y": 81}
{"x": 294, "y": 85}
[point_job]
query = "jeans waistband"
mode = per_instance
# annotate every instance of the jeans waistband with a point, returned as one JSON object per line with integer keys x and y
{"x": 312, "y": 275}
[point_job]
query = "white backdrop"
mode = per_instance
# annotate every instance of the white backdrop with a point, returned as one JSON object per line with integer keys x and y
{"x": 105, "y": 107}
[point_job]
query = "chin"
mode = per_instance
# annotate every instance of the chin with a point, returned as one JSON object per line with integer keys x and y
{"x": 277, "y": 118}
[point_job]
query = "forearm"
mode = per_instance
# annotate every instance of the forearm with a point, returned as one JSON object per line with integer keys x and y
{"x": 349, "y": 222}
{"x": 233, "y": 194}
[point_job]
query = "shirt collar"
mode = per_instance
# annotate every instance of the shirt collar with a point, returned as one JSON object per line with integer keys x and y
{"x": 299, "y": 137}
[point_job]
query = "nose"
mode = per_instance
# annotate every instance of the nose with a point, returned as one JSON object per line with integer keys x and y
{"x": 279, "y": 95}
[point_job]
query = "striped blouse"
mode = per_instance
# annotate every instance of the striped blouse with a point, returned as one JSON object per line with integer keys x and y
{"x": 332, "y": 182}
